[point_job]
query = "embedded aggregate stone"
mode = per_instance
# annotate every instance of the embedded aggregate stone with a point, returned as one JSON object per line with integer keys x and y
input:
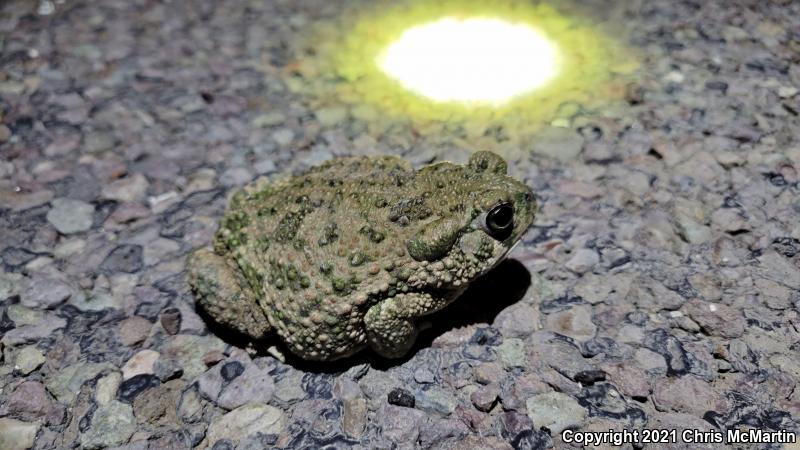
{"x": 519, "y": 321}
{"x": 435, "y": 401}
{"x": 125, "y": 258}
{"x": 158, "y": 406}
{"x": 656, "y": 288}
{"x": 141, "y": 363}
{"x": 484, "y": 397}
{"x": 401, "y": 397}
{"x": 107, "y": 388}
{"x": 289, "y": 389}
{"x": 245, "y": 421}
{"x": 188, "y": 350}
{"x": 512, "y": 353}
{"x": 65, "y": 384}
{"x": 687, "y": 394}
{"x": 190, "y": 408}
{"x": 134, "y": 330}
{"x": 43, "y": 292}
{"x": 423, "y": 375}
{"x": 716, "y": 319}
{"x": 110, "y": 425}
{"x": 398, "y": 424}
{"x": 16, "y": 434}
{"x": 28, "y": 359}
{"x": 70, "y": 216}
{"x": 558, "y": 143}
{"x": 30, "y": 401}
{"x": 555, "y": 411}
{"x": 128, "y": 189}
{"x": 442, "y": 432}
{"x": 253, "y": 384}
{"x": 354, "y": 417}
{"x": 130, "y": 388}
{"x": 171, "y": 320}
{"x": 514, "y": 423}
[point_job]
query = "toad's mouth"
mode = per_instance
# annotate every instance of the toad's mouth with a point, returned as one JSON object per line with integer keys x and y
{"x": 502, "y": 257}
{"x": 448, "y": 293}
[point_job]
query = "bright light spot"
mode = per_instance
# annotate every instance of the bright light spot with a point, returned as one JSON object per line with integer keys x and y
{"x": 472, "y": 60}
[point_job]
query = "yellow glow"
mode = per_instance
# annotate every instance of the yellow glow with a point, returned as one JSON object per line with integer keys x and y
{"x": 473, "y": 60}
{"x": 340, "y": 63}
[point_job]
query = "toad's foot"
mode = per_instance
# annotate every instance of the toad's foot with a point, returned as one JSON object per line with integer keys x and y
{"x": 390, "y": 324}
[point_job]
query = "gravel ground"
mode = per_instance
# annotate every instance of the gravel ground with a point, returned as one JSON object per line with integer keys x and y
{"x": 659, "y": 288}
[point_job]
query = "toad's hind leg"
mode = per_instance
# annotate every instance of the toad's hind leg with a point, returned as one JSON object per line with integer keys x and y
{"x": 223, "y": 293}
{"x": 390, "y": 324}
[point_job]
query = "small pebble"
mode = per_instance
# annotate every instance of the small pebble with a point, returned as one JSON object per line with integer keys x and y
{"x": 171, "y": 320}
{"x": 401, "y": 397}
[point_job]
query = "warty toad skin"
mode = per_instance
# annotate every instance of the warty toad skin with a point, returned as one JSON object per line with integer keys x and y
{"x": 351, "y": 253}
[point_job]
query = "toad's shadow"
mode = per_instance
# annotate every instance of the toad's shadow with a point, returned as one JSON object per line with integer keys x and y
{"x": 483, "y": 300}
{"x": 501, "y": 287}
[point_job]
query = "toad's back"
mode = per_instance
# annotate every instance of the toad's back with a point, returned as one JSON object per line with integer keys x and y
{"x": 351, "y": 252}
{"x": 317, "y": 248}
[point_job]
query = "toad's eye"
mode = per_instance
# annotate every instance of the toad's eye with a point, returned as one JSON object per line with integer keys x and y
{"x": 500, "y": 221}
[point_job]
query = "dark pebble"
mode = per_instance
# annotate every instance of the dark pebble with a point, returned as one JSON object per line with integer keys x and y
{"x": 231, "y": 370}
{"x": 560, "y": 304}
{"x": 134, "y": 386}
{"x": 85, "y": 422}
{"x": 532, "y": 440}
{"x": 401, "y": 397}
{"x": 777, "y": 180}
{"x": 590, "y": 376}
{"x": 786, "y": 246}
{"x": 486, "y": 336}
{"x": 634, "y": 94}
{"x": 731, "y": 201}
{"x": 717, "y": 86}
{"x": 300, "y": 437}
{"x": 604, "y": 400}
{"x": 591, "y": 132}
{"x": 668, "y": 346}
{"x": 103, "y": 209}
{"x": 317, "y": 385}
{"x": 6, "y": 324}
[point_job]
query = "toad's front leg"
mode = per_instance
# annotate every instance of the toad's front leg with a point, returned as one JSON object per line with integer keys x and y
{"x": 225, "y": 295}
{"x": 390, "y": 324}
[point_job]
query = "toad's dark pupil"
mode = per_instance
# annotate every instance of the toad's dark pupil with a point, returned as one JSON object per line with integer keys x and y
{"x": 500, "y": 220}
